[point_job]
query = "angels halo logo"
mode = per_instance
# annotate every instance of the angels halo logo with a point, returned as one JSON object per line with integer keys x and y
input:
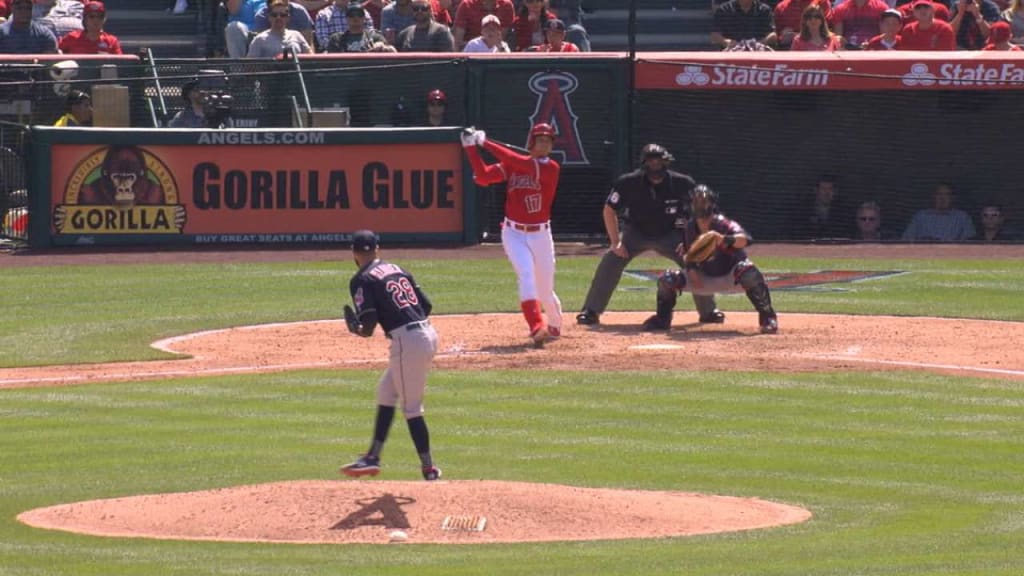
{"x": 117, "y": 190}
{"x": 553, "y": 107}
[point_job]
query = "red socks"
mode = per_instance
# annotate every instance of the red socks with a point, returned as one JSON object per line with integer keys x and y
{"x": 531, "y": 311}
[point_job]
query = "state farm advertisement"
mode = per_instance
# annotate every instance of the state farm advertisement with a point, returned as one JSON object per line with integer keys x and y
{"x": 835, "y": 71}
{"x": 217, "y": 194}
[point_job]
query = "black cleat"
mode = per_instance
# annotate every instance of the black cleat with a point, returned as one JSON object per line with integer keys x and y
{"x": 715, "y": 317}
{"x": 656, "y": 324}
{"x": 587, "y": 318}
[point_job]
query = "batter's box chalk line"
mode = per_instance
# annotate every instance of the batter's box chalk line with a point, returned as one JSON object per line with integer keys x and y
{"x": 464, "y": 523}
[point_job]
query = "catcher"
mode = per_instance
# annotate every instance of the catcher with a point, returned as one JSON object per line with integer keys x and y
{"x": 715, "y": 262}
{"x": 385, "y": 293}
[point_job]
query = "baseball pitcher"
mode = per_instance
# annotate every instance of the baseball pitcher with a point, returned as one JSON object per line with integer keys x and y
{"x": 385, "y": 293}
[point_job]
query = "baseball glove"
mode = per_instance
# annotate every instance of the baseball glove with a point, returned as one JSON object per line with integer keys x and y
{"x": 352, "y": 321}
{"x": 703, "y": 247}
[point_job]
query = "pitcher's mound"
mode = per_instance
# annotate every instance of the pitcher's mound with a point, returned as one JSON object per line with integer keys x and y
{"x": 368, "y": 511}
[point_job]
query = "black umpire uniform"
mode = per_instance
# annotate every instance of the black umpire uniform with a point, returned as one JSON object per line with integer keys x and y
{"x": 653, "y": 205}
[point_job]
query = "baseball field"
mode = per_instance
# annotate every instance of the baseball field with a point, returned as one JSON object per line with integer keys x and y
{"x": 890, "y": 408}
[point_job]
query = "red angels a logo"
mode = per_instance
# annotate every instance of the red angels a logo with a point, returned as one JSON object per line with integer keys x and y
{"x": 553, "y": 107}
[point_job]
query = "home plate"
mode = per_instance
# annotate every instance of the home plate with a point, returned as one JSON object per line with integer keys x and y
{"x": 656, "y": 347}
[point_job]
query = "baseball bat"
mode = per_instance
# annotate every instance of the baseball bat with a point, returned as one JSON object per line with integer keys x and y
{"x": 519, "y": 149}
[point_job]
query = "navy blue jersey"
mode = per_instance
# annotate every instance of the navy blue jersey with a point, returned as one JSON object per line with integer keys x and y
{"x": 724, "y": 259}
{"x": 384, "y": 293}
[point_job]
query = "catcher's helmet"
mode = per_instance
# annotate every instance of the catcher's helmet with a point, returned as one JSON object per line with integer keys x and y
{"x": 703, "y": 201}
{"x": 542, "y": 129}
{"x": 653, "y": 150}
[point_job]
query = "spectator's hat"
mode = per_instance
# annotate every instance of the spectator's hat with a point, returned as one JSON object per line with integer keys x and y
{"x": 354, "y": 9}
{"x": 364, "y": 241}
{"x": 555, "y": 24}
{"x": 891, "y": 13}
{"x": 919, "y": 3}
{"x": 490, "y": 19}
{"x": 436, "y": 95}
{"x": 94, "y": 8}
{"x": 999, "y": 32}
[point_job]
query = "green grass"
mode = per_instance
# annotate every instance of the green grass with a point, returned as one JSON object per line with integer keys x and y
{"x": 906, "y": 473}
{"x": 108, "y": 313}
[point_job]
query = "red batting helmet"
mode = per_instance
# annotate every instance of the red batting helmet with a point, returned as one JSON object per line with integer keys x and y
{"x": 542, "y": 129}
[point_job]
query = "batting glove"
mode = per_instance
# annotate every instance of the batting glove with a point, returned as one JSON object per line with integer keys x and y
{"x": 481, "y": 137}
{"x": 468, "y": 138}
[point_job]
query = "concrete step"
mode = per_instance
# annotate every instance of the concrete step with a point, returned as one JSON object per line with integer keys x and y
{"x": 171, "y": 46}
{"x": 153, "y": 22}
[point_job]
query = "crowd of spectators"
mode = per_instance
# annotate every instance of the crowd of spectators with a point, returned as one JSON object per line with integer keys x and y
{"x": 55, "y": 26}
{"x": 821, "y": 25}
{"x": 333, "y": 26}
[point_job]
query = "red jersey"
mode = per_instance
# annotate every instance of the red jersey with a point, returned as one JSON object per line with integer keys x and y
{"x": 532, "y": 182}
{"x": 529, "y": 33}
{"x": 859, "y": 22}
{"x": 76, "y": 42}
{"x": 941, "y": 12}
{"x": 939, "y": 36}
{"x": 876, "y": 43}
{"x": 471, "y": 12}
{"x": 565, "y": 47}
{"x": 788, "y": 13}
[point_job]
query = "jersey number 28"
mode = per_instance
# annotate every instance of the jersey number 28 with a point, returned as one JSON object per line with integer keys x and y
{"x": 402, "y": 293}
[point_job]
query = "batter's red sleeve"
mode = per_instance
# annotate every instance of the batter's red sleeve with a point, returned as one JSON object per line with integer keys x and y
{"x": 483, "y": 174}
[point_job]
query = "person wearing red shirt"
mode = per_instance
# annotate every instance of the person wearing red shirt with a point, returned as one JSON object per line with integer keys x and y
{"x": 890, "y": 23}
{"x": 814, "y": 33}
{"x": 91, "y": 39}
{"x": 531, "y": 19}
{"x": 999, "y": 35}
{"x": 526, "y": 232}
{"x": 927, "y": 33}
{"x": 857, "y": 21}
{"x": 788, "y": 15}
{"x": 471, "y": 12}
{"x": 554, "y": 32}
{"x": 907, "y": 10}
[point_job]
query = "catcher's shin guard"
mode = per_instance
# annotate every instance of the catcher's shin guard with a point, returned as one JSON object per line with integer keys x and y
{"x": 757, "y": 291}
{"x": 669, "y": 285}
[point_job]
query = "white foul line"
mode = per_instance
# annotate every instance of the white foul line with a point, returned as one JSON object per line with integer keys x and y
{"x": 924, "y": 365}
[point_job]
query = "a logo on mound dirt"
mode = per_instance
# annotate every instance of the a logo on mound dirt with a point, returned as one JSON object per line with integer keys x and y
{"x": 797, "y": 280}
{"x": 120, "y": 190}
{"x": 553, "y": 107}
{"x": 953, "y": 74}
{"x": 730, "y": 75}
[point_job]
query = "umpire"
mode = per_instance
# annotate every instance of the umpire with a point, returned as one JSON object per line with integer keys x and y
{"x": 653, "y": 203}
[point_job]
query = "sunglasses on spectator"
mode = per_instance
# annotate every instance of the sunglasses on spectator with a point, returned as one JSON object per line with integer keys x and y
{"x": 420, "y": 8}
{"x": 280, "y": 14}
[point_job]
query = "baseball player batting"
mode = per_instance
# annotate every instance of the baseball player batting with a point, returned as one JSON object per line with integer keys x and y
{"x": 721, "y": 266}
{"x": 526, "y": 230}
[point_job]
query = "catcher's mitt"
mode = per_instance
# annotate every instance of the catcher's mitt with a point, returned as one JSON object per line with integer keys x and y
{"x": 703, "y": 247}
{"x": 352, "y": 321}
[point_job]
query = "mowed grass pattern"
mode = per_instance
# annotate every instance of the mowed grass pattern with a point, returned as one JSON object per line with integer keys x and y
{"x": 906, "y": 473}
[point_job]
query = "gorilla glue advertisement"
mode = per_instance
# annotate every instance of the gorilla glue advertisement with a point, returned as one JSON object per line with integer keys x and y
{"x": 229, "y": 193}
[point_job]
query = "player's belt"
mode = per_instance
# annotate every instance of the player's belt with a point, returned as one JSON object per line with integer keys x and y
{"x": 409, "y": 327}
{"x": 527, "y": 227}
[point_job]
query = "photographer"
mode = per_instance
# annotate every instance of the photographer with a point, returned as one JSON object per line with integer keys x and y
{"x": 208, "y": 103}
{"x": 192, "y": 116}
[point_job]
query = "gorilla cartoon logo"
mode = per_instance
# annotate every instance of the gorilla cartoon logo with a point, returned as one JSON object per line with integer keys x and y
{"x": 123, "y": 181}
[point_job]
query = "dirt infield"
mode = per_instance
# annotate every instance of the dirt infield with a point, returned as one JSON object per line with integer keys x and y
{"x": 366, "y": 511}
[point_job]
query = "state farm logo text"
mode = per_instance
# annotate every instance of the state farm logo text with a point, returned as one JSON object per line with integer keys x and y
{"x": 951, "y": 74}
{"x": 780, "y": 75}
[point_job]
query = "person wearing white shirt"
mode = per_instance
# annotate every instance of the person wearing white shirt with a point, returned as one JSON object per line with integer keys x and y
{"x": 489, "y": 39}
